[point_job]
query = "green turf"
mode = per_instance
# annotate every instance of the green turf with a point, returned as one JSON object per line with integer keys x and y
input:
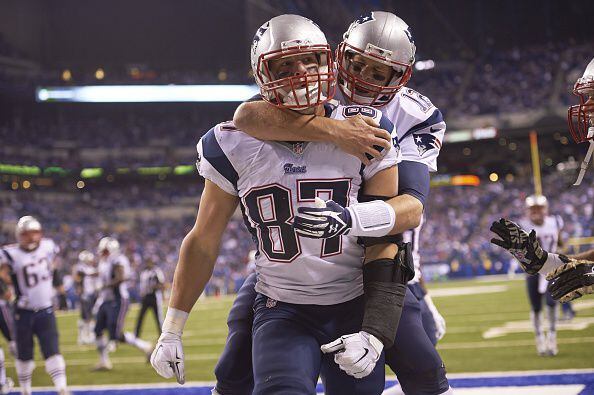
{"x": 463, "y": 349}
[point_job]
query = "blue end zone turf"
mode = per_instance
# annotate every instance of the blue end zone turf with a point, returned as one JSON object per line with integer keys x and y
{"x": 585, "y": 377}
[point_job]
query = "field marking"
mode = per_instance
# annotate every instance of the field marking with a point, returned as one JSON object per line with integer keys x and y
{"x": 460, "y": 291}
{"x": 577, "y": 324}
{"x": 574, "y": 389}
{"x": 508, "y": 343}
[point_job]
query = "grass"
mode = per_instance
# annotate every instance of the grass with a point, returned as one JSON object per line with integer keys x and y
{"x": 463, "y": 349}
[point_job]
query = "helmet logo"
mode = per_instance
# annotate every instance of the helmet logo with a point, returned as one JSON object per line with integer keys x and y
{"x": 409, "y": 35}
{"x": 259, "y": 35}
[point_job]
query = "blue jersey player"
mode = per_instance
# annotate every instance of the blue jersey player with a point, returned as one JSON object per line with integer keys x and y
{"x": 309, "y": 291}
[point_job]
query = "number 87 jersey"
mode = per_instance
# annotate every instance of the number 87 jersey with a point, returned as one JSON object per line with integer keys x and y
{"x": 32, "y": 273}
{"x": 273, "y": 179}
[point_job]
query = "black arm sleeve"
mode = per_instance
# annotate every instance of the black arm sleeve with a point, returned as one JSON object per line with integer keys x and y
{"x": 413, "y": 179}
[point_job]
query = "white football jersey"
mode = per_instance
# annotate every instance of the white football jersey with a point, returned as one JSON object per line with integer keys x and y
{"x": 548, "y": 237}
{"x": 413, "y": 236}
{"x": 107, "y": 273}
{"x": 90, "y": 278}
{"x": 272, "y": 180}
{"x": 32, "y": 273}
{"x": 419, "y": 125}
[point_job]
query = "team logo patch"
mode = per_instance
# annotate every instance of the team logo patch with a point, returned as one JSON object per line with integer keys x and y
{"x": 425, "y": 142}
{"x": 298, "y": 148}
{"x": 270, "y": 303}
{"x": 292, "y": 169}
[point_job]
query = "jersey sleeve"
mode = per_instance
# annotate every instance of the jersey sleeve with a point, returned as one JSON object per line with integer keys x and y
{"x": 389, "y": 158}
{"x": 213, "y": 163}
{"x": 160, "y": 276}
{"x": 422, "y": 138}
{"x": 560, "y": 223}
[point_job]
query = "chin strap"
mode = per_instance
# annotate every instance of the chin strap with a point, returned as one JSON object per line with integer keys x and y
{"x": 586, "y": 160}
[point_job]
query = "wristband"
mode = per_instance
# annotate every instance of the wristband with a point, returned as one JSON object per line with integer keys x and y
{"x": 371, "y": 219}
{"x": 175, "y": 320}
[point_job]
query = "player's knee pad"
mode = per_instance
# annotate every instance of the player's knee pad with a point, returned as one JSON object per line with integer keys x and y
{"x": 55, "y": 364}
{"x": 427, "y": 382}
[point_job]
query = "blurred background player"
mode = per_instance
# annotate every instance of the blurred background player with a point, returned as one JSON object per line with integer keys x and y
{"x": 28, "y": 266}
{"x": 85, "y": 278}
{"x": 548, "y": 229}
{"x": 113, "y": 302}
{"x": 7, "y": 328}
{"x": 152, "y": 284}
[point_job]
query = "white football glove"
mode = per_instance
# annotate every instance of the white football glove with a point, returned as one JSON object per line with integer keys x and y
{"x": 440, "y": 324}
{"x": 168, "y": 357}
{"x": 356, "y": 353}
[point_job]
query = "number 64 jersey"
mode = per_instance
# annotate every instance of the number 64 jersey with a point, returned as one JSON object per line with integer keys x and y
{"x": 273, "y": 179}
{"x": 32, "y": 273}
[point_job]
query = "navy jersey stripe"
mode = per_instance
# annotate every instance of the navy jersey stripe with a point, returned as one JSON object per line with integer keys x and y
{"x": 435, "y": 118}
{"x": 212, "y": 152}
{"x": 8, "y": 257}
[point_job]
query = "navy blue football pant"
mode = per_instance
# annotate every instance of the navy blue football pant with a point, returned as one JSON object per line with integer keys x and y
{"x": 286, "y": 355}
{"x": 426, "y": 316}
{"x": 42, "y": 324}
{"x": 535, "y": 296}
{"x": 234, "y": 369}
{"x": 111, "y": 317}
{"x": 6, "y": 321}
{"x": 413, "y": 357}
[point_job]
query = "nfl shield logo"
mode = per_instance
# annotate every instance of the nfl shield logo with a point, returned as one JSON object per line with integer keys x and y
{"x": 270, "y": 303}
{"x": 298, "y": 148}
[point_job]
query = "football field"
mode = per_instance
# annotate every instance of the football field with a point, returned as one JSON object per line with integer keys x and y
{"x": 488, "y": 330}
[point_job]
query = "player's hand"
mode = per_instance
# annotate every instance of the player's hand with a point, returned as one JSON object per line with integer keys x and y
{"x": 168, "y": 357}
{"x": 440, "y": 323}
{"x": 522, "y": 245}
{"x": 572, "y": 280}
{"x": 362, "y": 137}
{"x": 327, "y": 219}
{"x": 356, "y": 353}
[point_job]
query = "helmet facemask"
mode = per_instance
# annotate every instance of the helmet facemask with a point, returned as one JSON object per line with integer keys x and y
{"x": 360, "y": 91}
{"x": 297, "y": 91}
{"x": 580, "y": 118}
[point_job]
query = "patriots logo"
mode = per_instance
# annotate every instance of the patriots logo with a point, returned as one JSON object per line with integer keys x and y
{"x": 425, "y": 142}
{"x": 364, "y": 18}
{"x": 258, "y": 36}
{"x": 409, "y": 34}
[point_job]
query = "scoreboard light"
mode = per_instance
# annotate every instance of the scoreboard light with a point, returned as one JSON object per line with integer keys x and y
{"x": 146, "y": 93}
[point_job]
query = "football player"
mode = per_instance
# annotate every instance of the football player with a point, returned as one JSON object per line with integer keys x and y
{"x": 548, "y": 228}
{"x": 374, "y": 63}
{"x": 28, "y": 266}
{"x": 113, "y": 301}
{"x": 7, "y": 328}
{"x": 85, "y": 278}
{"x": 309, "y": 291}
{"x": 570, "y": 277}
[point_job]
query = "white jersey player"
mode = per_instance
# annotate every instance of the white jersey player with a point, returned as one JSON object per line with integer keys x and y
{"x": 28, "y": 266}
{"x": 86, "y": 279}
{"x": 297, "y": 276}
{"x": 113, "y": 301}
{"x": 548, "y": 228}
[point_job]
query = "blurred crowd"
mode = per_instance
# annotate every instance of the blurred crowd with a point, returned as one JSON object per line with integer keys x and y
{"x": 456, "y": 235}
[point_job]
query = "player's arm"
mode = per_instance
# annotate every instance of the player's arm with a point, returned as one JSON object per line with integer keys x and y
{"x": 355, "y": 135}
{"x": 197, "y": 257}
{"x": 385, "y": 275}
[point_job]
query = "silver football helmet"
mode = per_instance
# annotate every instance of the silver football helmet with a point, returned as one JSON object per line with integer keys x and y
{"x": 28, "y": 224}
{"x": 382, "y": 37}
{"x": 283, "y": 37}
{"x": 109, "y": 244}
{"x": 580, "y": 117}
{"x": 86, "y": 256}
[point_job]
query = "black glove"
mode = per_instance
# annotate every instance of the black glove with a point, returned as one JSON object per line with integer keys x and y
{"x": 572, "y": 280}
{"x": 322, "y": 222}
{"x": 523, "y": 246}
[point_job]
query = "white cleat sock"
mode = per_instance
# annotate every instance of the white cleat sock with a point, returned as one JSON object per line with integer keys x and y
{"x": 25, "y": 373}
{"x": 102, "y": 349}
{"x": 55, "y": 366}
{"x": 2, "y": 368}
